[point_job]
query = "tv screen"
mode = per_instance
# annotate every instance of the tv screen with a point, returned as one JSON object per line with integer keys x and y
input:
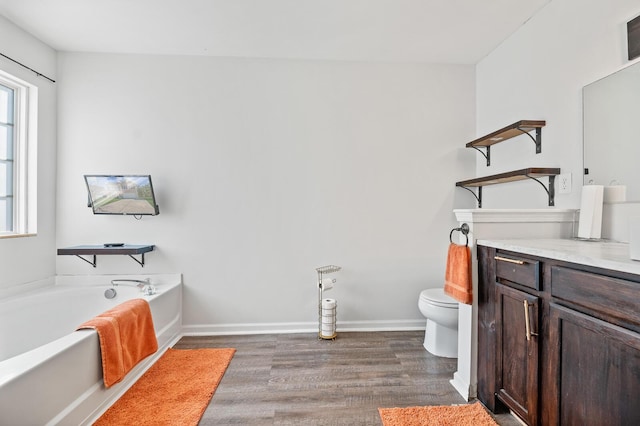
{"x": 121, "y": 194}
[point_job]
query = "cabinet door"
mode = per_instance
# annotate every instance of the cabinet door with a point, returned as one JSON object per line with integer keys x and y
{"x": 517, "y": 319}
{"x": 596, "y": 371}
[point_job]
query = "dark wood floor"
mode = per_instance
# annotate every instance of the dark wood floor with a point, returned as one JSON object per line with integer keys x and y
{"x": 297, "y": 379}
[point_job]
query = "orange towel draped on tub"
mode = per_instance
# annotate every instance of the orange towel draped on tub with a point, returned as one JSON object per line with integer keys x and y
{"x": 458, "y": 274}
{"x": 126, "y": 337}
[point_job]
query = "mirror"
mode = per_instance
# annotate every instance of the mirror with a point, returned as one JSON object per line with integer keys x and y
{"x": 611, "y": 111}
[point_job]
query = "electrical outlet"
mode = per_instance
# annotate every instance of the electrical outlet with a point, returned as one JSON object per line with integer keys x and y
{"x": 564, "y": 183}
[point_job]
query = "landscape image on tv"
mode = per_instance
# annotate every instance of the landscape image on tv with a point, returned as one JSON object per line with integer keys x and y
{"x": 126, "y": 195}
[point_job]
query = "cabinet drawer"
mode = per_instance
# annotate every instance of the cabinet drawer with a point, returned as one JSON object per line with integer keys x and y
{"x": 605, "y": 296}
{"x": 518, "y": 270}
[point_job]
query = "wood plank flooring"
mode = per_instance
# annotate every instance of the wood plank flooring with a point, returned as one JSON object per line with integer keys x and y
{"x": 297, "y": 379}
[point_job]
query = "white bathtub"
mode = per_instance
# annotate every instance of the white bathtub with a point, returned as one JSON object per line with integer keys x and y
{"x": 52, "y": 374}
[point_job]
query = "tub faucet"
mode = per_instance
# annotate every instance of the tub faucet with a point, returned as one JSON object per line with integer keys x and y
{"x": 149, "y": 289}
{"x": 137, "y": 283}
{"x": 145, "y": 285}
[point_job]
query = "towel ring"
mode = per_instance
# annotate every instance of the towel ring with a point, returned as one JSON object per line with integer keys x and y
{"x": 465, "y": 231}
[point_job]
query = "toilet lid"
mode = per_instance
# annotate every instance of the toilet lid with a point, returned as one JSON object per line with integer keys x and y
{"x": 437, "y": 296}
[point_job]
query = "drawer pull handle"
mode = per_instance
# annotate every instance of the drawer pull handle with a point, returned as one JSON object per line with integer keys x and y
{"x": 506, "y": 259}
{"x": 527, "y": 324}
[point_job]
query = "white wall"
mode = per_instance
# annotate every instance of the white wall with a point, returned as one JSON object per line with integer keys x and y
{"x": 267, "y": 169}
{"x": 27, "y": 259}
{"x": 539, "y": 73}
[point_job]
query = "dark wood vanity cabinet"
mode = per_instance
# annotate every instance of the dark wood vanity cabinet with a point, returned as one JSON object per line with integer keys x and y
{"x": 597, "y": 370}
{"x": 558, "y": 343}
{"x": 517, "y": 351}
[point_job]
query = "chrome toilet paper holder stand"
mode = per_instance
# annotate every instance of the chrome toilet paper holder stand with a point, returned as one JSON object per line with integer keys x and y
{"x": 322, "y": 271}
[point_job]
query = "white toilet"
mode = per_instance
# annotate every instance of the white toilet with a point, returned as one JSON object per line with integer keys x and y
{"x": 441, "y": 311}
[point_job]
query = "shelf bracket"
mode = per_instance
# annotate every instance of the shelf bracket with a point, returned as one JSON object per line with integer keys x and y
{"x": 537, "y": 140}
{"x": 139, "y": 262}
{"x": 94, "y": 263}
{"x": 478, "y": 196}
{"x": 487, "y": 155}
{"x": 550, "y": 191}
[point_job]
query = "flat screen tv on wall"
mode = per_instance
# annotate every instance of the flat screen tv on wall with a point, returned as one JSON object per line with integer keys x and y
{"x": 121, "y": 195}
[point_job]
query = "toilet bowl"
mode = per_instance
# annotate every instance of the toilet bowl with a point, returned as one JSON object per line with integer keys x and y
{"x": 441, "y": 311}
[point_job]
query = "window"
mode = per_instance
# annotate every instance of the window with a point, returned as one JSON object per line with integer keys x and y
{"x": 6, "y": 157}
{"x": 18, "y": 105}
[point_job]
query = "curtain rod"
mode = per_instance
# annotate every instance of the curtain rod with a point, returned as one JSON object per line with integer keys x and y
{"x": 30, "y": 69}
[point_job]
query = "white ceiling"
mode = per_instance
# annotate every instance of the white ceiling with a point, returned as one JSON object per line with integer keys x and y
{"x": 437, "y": 31}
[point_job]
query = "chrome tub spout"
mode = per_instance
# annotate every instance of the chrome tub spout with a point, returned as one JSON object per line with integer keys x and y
{"x": 145, "y": 285}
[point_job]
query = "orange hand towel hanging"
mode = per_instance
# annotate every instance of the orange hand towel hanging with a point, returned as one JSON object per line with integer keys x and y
{"x": 458, "y": 283}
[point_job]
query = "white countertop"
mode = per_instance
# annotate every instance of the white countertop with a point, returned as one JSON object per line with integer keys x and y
{"x": 602, "y": 254}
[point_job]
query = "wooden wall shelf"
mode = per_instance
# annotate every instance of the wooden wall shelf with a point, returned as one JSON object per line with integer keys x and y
{"x": 516, "y": 175}
{"x": 94, "y": 250}
{"x": 522, "y": 127}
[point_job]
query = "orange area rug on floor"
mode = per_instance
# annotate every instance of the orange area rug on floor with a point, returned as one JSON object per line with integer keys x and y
{"x": 174, "y": 391}
{"x": 454, "y": 415}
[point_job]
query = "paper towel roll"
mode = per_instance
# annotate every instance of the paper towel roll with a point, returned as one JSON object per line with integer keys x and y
{"x": 615, "y": 194}
{"x": 590, "y": 223}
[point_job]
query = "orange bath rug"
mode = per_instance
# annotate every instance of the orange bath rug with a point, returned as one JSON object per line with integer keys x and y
{"x": 453, "y": 415}
{"x": 174, "y": 391}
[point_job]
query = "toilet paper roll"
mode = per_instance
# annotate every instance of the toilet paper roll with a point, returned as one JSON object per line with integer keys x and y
{"x": 328, "y": 304}
{"x": 327, "y": 283}
{"x": 590, "y": 222}
{"x": 615, "y": 194}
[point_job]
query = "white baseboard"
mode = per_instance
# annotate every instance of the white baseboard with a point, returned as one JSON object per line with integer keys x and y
{"x": 463, "y": 387}
{"x": 390, "y": 325}
{"x": 297, "y": 327}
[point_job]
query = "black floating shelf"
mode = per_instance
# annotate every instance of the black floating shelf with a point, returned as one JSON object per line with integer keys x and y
{"x": 94, "y": 250}
{"x": 516, "y": 175}
{"x": 522, "y": 127}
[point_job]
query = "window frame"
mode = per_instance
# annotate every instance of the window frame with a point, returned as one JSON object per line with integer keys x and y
{"x": 24, "y": 156}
